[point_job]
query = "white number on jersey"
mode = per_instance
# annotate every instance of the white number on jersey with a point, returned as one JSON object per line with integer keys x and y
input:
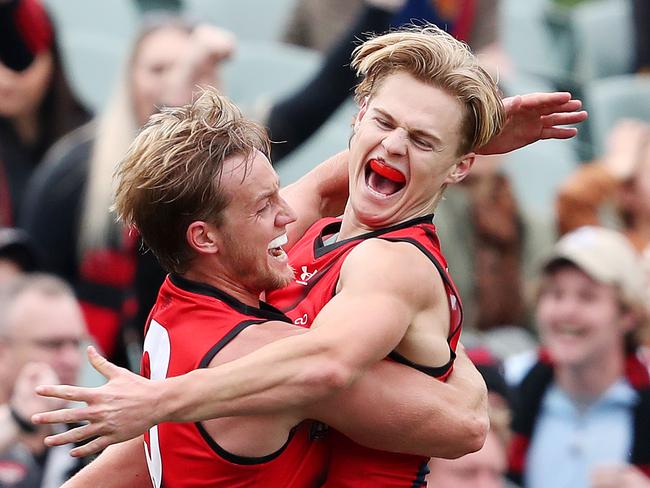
{"x": 157, "y": 346}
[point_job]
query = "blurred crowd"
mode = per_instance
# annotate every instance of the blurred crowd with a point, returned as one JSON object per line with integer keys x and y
{"x": 550, "y": 248}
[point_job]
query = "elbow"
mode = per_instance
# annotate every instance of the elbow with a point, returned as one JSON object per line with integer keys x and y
{"x": 471, "y": 436}
{"x": 329, "y": 374}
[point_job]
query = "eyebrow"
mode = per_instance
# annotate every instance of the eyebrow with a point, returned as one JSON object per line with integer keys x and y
{"x": 412, "y": 132}
{"x": 268, "y": 193}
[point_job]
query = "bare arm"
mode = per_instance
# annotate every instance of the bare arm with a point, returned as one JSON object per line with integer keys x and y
{"x": 297, "y": 370}
{"x": 126, "y": 458}
{"x": 320, "y": 193}
{"x": 396, "y": 408}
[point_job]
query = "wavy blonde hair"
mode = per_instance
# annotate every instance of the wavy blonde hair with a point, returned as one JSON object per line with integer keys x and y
{"x": 170, "y": 176}
{"x": 433, "y": 56}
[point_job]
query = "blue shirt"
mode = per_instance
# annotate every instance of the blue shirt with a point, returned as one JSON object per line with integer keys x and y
{"x": 570, "y": 440}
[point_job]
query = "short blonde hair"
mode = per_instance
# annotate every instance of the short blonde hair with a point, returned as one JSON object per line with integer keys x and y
{"x": 170, "y": 176}
{"x": 434, "y": 57}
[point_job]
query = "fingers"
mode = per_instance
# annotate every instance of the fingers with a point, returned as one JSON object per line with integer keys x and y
{"x": 101, "y": 364}
{"x": 538, "y": 100}
{"x": 564, "y": 118}
{"x": 62, "y": 416}
{"x": 558, "y": 132}
{"x": 93, "y": 447}
{"x": 72, "y": 436}
{"x": 65, "y": 392}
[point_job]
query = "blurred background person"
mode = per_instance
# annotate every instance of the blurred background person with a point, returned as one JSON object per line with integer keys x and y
{"x": 614, "y": 190}
{"x": 41, "y": 332}
{"x": 37, "y": 105}
{"x": 17, "y": 255}
{"x": 583, "y": 400}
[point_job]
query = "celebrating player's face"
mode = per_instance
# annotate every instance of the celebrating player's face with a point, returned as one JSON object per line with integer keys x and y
{"x": 254, "y": 226}
{"x": 404, "y": 149}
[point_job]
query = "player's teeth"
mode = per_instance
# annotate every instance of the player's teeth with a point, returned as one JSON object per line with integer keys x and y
{"x": 278, "y": 241}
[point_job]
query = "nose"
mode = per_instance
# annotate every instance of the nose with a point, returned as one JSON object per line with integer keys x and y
{"x": 286, "y": 215}
{"x": 395, "y": 141}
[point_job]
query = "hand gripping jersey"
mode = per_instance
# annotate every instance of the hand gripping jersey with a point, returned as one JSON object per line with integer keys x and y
{"x": 189, "y": 324}
{"x": 317, "y": 266}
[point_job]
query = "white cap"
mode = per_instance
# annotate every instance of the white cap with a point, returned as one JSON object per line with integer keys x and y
{"x": 606, "y": 256}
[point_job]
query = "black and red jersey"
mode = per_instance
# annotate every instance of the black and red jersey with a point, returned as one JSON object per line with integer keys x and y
{"x": 188, "y": 326}
{"x": 317, "y": 265}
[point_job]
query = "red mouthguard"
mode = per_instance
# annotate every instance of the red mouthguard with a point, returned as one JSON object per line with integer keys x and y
{"x": 386, "y": 171}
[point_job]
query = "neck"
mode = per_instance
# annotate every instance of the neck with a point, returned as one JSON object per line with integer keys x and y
{"x": 219, "y": 279}
{"x": 586, "y": 382}
{"x": 352, "y": 226}
{"x": 27, "y": 127}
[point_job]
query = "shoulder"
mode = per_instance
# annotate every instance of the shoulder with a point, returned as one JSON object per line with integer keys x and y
{"x": 393, "y": 266}
{"x": 254, "y": 337}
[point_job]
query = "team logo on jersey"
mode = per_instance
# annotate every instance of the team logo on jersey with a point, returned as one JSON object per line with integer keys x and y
{"x": 306, "y": 275}
{"x": 301, "y": 320}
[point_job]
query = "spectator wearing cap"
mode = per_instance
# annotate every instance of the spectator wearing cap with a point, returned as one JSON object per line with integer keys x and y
{"x": 16, "y": 254}
{"x": 37, "y": 106}
{"x": 582, "y": 415}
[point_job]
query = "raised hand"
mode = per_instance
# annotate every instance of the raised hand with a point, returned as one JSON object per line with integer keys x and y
{"x": 118, "y": 411}
{"x": 534, "y": 117}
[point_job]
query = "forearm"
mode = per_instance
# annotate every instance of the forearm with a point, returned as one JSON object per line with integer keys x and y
{"x": 126, "y": 458}
{"x": 411, "y": 412}
{"x": 288, "y": 373}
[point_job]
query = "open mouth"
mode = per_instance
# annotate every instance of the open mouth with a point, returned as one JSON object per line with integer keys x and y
{"x": 383, "y": 179}
{"x": 275, "y": 247}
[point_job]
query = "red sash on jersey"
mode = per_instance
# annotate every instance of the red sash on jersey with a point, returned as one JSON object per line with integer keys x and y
{"x": 317, "y": 268}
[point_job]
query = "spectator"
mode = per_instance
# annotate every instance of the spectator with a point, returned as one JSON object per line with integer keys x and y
{"x": 37, "y": 105}
{"x": 41, "y": 328}
{"x": 620, "y": 182}
{"x": 584, "y": 400}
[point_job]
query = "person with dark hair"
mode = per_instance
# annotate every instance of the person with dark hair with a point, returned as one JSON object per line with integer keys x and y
{"x": 37, "y": 106}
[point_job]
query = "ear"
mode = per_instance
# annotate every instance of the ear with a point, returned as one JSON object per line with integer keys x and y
{"x": 461, "y": 169}
{"x": 363, "y": 108}
{"x": 202, "y": 237}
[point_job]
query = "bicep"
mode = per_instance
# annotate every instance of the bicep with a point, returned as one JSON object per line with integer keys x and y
{"x": 396, "y": 408}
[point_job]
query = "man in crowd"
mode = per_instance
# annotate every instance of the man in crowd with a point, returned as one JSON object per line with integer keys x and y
{"x": 41, "y": 328}
{"x": 584, "y": 399}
